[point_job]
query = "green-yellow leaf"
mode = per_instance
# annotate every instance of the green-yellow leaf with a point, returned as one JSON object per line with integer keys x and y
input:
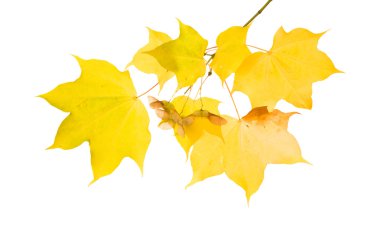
{"x": 105, "y": 112}
{"x": 287, "y": 71}
{"x": 260, "y": 138}
{"x": 147, "y": 63}
{"x": 231, "y": 52}
{"x": 183, "y": 56}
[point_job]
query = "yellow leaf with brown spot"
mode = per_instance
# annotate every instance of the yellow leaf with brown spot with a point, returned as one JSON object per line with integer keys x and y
{"x": 258, "y": 139}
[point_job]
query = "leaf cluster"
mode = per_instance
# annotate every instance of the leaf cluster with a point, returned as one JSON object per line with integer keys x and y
{"x": 106, "y": 111}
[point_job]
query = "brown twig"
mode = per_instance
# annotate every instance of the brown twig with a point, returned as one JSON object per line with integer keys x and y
{"x": 258, "y": 13}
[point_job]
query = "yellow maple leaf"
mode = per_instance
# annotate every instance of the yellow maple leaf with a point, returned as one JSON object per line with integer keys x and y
{"x": 183, "y": 56}
{"x": 147, "y": 63}
{"x": 105, "y": 112}
{"x": 260, "y": 138}
{"x": 287, "y": 71}
{"x": 231, "y": 52}
{"x": 202, "y": 111}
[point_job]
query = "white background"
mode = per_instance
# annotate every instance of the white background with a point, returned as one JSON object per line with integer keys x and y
{"x": 49, "y": 189}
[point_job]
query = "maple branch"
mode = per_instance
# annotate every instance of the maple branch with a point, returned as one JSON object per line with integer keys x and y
{"x": 258, "y": 13}
{"x": 232, "y": 98}
{"x": 147, "y": 90}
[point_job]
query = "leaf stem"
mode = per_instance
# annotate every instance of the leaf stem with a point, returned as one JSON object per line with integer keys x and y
{"x": 147, "y": 90}
{"x": 211, "y": 57}
{"x": 209, "y": 73}
{"x": 188, "y": 90}
{"x": 232, "y": 98}
{"x": 258, "y": 13}
{"x": 255, "y": 47}
{"x": 213, "y": 47}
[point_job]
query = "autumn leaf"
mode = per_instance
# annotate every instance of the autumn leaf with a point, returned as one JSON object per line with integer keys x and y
{"x": 183, "y": 56}
{"x": 286, "y": 71}
{"x": 260, "y": 138}
{"x": 105, "y": 112}
{"x": 231, "y": 52}
{"x": 147, "y": 63}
